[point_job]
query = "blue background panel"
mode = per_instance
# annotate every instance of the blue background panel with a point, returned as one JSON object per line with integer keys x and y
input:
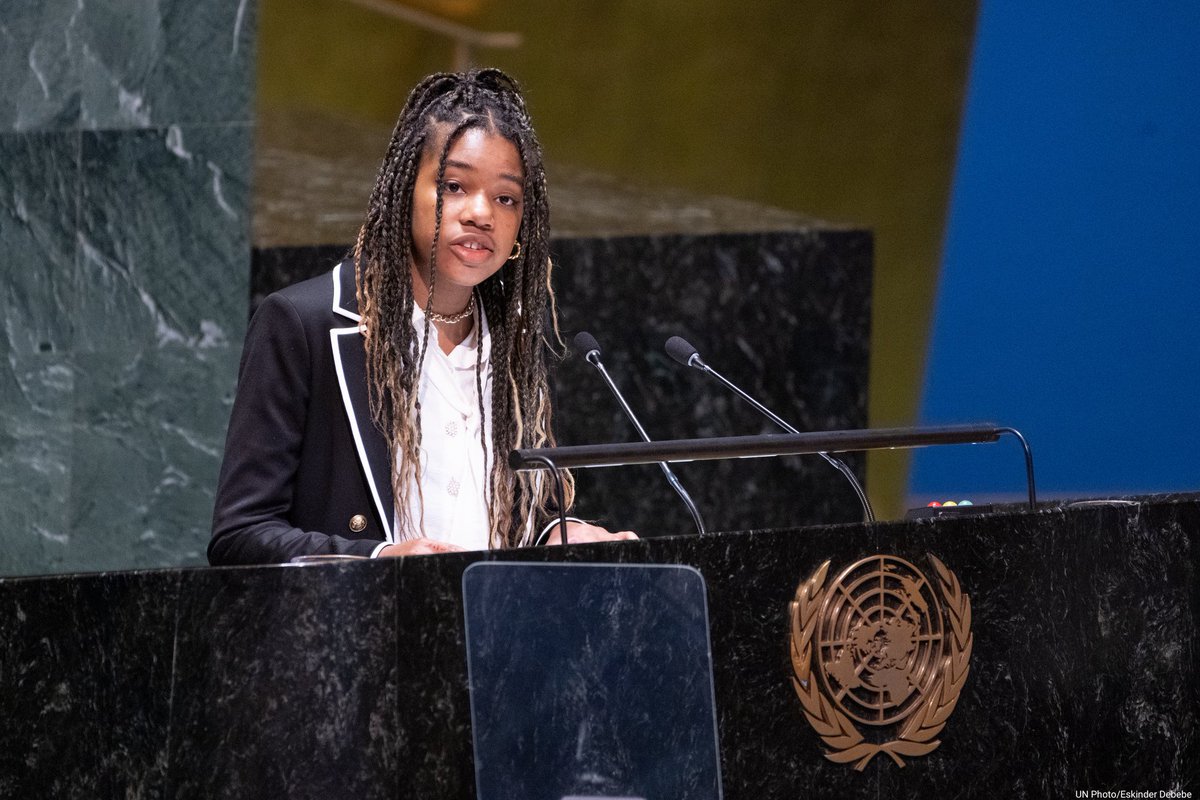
{"x": 1069, "y": 283}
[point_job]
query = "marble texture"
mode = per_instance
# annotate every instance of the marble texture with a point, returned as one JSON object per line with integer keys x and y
{"x": 350, "y": 679}
{"x": 145, "y": 449}
{"x": 102, "y": 64}
{"x": 165, "y": 264}
{"x": 333, "y": 710}
{"x": 125, "y": 134}
{"x": 96, "y": 728}
{"x": 37, "y": 394}
{"x": 785, "y": 315}
{"x": 38, "y": 64}
{"x": 1084, "y": 673}
{"x": 38, "y": 195}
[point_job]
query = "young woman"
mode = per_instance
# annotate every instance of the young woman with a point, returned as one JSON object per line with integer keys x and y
{"x": 377, "y": 405}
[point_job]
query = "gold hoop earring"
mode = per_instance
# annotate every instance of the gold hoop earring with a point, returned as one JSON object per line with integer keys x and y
{"x": 517, "y": 254}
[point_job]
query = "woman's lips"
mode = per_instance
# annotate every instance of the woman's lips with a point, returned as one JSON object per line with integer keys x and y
{"x": 471, "y": 250}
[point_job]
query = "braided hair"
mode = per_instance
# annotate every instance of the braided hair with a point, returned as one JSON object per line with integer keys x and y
{"x": 516, "y": 300}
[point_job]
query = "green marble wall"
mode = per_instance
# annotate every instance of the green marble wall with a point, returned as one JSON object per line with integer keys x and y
{"x": 125, "y": 162}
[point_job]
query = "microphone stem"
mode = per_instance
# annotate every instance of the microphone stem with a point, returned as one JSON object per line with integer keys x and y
{"x": 594, "y": 358}
{"x": 836, "y": 463}
{"x": 737, "y": 389}
{"x": 621, "y": 399}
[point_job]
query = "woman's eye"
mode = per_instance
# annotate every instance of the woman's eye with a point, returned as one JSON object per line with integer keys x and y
{"x": 451, "y": 187}
{"x": 507, "y": 200}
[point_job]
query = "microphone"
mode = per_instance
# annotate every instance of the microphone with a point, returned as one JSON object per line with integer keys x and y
{"x": 587, "y": 344}
{"x": 682, "y": 351}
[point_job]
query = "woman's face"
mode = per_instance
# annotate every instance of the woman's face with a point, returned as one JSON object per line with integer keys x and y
{"x": 482, "y": 195}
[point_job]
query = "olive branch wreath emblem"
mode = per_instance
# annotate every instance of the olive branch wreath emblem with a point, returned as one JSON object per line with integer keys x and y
{"x": 916, "y": 737}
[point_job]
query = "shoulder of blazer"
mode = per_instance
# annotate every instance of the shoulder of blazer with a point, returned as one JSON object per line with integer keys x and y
{"x": 331, "y": 292}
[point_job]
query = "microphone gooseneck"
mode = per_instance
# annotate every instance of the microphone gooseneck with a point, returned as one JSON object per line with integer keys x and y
{"x": 682, "y": 351}
{"x": 586, "y": 343}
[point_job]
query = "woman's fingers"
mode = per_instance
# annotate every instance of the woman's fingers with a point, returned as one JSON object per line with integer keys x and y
{"x": 419, "y": 547}
{"x": 581, "y": 532}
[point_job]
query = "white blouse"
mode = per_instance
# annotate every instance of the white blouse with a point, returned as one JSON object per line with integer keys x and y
{"x": 453, "y": 472}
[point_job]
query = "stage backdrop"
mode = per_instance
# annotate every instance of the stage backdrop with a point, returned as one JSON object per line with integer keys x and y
{"x": 1070, "y": 281}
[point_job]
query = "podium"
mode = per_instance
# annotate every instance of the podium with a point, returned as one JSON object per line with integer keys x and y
{"x": 357, "y": 679}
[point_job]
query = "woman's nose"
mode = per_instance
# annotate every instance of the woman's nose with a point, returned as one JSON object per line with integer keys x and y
{"x": 477, "y": 211}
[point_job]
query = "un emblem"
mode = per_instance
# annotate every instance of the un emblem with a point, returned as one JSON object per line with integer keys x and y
{"x": 881, "y": 651}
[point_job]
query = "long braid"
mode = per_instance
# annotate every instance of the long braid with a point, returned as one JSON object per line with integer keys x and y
{"x": 516, "y": 301}
{"x": 385, "y": 296}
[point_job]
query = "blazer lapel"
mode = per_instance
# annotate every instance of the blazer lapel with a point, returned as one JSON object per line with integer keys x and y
{"x": 345, "y": 293}
{"x": 350, "y": 361}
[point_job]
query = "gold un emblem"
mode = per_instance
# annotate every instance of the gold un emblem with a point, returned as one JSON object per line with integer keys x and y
{"x": 880, "y": 656}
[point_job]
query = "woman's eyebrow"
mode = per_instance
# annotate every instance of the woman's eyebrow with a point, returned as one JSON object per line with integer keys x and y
{"x": 518, "y": 180}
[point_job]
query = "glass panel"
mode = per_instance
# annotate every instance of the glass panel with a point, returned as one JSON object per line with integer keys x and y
{"x": 590, "y": 681}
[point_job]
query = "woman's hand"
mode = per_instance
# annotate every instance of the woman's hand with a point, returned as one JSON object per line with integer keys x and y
{"x": 419, "y": 547}
{"x": 579, "y": 532}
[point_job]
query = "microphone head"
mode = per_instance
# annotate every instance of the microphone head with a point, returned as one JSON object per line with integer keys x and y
{"x": 586, "y": 343}
{"x": 681, "y": 350}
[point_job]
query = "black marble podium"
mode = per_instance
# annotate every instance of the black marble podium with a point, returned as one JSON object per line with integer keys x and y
{"x": 350, "y": 679}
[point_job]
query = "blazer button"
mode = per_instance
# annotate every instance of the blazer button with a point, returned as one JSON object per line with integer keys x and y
{"x": 358, "y": 523}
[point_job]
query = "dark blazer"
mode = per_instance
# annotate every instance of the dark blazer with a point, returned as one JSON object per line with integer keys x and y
{"x": 304, "y": 466}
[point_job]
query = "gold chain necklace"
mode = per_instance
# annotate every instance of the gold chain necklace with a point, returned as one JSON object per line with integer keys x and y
{"x": 453, "y": 318}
